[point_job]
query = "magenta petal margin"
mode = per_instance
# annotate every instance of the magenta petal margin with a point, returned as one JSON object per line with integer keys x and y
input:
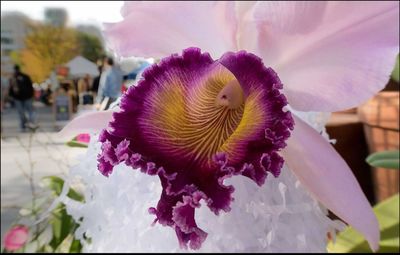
{"x": 168, "y": 126}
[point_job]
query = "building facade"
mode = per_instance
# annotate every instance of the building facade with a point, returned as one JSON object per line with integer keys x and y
{"x": 14, "y": 27}
{"x": 56, "y": 17}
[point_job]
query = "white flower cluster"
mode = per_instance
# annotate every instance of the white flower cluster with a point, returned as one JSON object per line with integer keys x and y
{"x": 280, "y": 216}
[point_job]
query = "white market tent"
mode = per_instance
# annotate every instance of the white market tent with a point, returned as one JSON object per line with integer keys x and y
{"x": 80, "y": 66}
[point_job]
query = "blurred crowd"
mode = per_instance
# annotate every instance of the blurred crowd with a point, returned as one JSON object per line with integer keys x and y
{"x": 96, "y": 92}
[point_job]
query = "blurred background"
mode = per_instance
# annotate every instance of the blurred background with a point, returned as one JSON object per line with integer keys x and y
{"x": 60, "y": 46}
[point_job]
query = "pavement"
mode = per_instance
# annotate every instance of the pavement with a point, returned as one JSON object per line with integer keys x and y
{"x": 27, "y": 157}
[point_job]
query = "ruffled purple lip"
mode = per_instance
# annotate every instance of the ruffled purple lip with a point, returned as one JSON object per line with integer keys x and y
{"x": 169, "y": 126}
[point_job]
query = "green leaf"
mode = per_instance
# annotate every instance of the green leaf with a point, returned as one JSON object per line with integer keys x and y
{"x": 395, "y": 154}
{"x": 385, "y": 159}
{"x": 386, "y": 163}
{"x": 44, "y": 236}
{"x": 30, "y": 247}
{"x": 56, "y": 184}
{"x": 67, "y": 224}
{"x": 396, "y": 70}
{"x": 56, "y": 223}
{"x": 64, "y": 227}
{"x": 48, "y": 249}
{"x": 65, "y": 244}
{"x": 75, "y": 195}
{"x": 387, "y": 213}
{"x": 76, "y": 246}
{"x": 74, "y": 143}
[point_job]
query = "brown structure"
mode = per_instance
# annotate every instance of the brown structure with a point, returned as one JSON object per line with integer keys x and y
{"x": 380, "y": 117}
{"x": 351, "y": 144}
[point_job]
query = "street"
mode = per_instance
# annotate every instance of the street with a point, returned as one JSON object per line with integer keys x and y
{"x": 29, "y": 155}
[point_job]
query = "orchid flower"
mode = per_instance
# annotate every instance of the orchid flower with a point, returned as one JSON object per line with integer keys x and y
{"x": 16, "y": 237}
{"x": 220, "y": 108}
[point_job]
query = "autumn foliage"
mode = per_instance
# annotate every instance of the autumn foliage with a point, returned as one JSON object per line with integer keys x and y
{"x": 47, "y": 47}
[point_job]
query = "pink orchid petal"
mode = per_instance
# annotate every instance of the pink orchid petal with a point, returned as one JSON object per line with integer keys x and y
{"x": 330, "y": 56}
{"x": 87, "y": 122}
{"x": 158, "y": 29}
{"x": 247, "y": 29}
{"x": 328, "y": 178}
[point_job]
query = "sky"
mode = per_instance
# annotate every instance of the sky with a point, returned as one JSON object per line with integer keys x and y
{"x": 79, "y": 12}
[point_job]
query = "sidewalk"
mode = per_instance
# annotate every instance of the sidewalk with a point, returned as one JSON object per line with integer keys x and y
{"x": 48, "y": 154}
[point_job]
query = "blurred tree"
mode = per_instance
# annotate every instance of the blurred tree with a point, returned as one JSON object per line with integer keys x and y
{"x": 16, "y": 58}
{"x": 46, "y": 48}
{"x": 37, "y": 68}
{"x": 90, "y": 46}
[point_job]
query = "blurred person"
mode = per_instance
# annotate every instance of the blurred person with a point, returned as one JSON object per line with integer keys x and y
{"x": 71, "y": 86}
{"x": 84, "y": 93}
{"x": 63, "y": 101}
{"x": 125, "y": 84}
{"x": 84, "y": 84}
{"x": 4, "y": 89}
{"x": 21, "y": 90}
{"x": 45, "y": 96}
{"x": 96, "y": 81}
{"x": 110, "y": 84}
